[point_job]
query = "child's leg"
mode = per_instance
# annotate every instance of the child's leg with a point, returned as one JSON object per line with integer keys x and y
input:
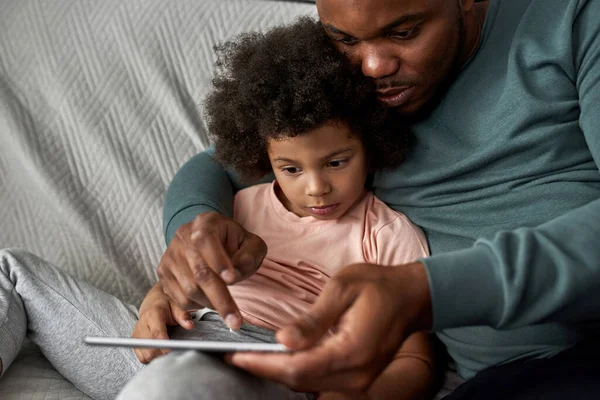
{"x": 56, "y": 311}
{"x": 199, "y": 376}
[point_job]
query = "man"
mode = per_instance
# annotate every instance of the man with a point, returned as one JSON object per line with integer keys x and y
{"x": 503, "y": 179}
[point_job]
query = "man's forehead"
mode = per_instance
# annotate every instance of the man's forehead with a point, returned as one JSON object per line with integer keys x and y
{"x": 351, "y": 15}
{"x": 380, "y": 3}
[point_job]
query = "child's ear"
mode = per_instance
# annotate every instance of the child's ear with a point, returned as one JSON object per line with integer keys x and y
{"x": 370, "y": 156}
{"x": 369, "y": 180}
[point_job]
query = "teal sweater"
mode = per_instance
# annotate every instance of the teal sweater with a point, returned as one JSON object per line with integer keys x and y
{"x": 504, "y": 181}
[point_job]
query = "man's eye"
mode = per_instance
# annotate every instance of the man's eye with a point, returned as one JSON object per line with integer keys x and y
{"x": 405, "y": 35}
{"x": 348, "y": 40}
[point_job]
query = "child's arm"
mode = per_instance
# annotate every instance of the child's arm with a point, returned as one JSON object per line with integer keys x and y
{"x": 410, "y": 376}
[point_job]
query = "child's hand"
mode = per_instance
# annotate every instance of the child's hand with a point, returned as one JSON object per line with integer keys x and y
{"x": 156, "y": 313}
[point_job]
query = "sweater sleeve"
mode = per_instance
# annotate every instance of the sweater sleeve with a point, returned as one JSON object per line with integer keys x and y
{"x": 201, "y": 185}
{"x": 533, "y": 275}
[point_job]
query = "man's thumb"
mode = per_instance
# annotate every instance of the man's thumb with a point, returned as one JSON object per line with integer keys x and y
{"x": 320, "y": 319}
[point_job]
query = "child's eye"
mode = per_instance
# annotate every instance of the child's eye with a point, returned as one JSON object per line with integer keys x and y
{"x": 291, "y": 170}
{"x": 337, "y": 163}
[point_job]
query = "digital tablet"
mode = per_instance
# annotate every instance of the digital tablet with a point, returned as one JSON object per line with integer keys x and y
{"x": 187, "y": 344}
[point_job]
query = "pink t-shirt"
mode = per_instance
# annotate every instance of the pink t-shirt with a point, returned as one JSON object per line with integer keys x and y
{"x": 304, "y": 252}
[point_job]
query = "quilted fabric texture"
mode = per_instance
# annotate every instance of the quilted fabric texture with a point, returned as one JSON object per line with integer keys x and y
{"x": 99, "y": 107}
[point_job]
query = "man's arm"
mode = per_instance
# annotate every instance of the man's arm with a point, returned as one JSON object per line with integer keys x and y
{"x": 534, "y": 275}
{"x": 521, "y": 277}
{"x": 200, "y": 186}
{"x": 206, "y": 249}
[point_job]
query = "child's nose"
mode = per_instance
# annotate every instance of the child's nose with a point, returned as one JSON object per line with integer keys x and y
{"x": 318, "y": 186}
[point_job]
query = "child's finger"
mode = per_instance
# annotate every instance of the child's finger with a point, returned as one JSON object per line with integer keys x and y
{"x": 145, "y": 355}
{"x": 157, "y": 327}
{"x": 182, "y": 317}
{"x": 139, "y": 353}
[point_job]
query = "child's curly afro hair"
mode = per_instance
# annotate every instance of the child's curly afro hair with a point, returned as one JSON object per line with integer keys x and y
{"x": 286, "y": 82}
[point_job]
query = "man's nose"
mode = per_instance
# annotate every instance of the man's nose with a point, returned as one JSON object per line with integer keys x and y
{"x": 377, "y": 62}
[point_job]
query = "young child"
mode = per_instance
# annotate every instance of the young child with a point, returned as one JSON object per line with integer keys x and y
{"x": 288, "y": 102}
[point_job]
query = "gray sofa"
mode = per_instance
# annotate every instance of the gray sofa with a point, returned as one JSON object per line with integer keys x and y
{"x": 99, "y": 107}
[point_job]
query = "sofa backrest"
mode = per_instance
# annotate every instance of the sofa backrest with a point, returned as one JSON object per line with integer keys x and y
{"x": 99, "y": 107}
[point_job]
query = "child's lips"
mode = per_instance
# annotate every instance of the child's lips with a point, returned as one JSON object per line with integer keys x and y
{"x": 322, "y": 210}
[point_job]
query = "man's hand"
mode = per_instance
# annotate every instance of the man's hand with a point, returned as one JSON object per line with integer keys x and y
{"x": 205, "y": 256}
{"x": 368, "y": 311}
{"x": 343, "y": 396}
{"x": 155, "y": 314}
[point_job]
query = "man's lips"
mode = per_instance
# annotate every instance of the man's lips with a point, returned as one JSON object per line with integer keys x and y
{"x": 322, "y": 210}
{"x": 395, "y": 97}
{"x": 391, "y": 91}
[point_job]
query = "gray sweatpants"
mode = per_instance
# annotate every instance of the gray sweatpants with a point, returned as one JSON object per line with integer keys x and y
{"x": 56, "y": 311}
{"x": 192, "y": 375}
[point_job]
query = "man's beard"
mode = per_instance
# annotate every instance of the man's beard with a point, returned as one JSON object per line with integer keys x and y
{"x": 427, "y": 108}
